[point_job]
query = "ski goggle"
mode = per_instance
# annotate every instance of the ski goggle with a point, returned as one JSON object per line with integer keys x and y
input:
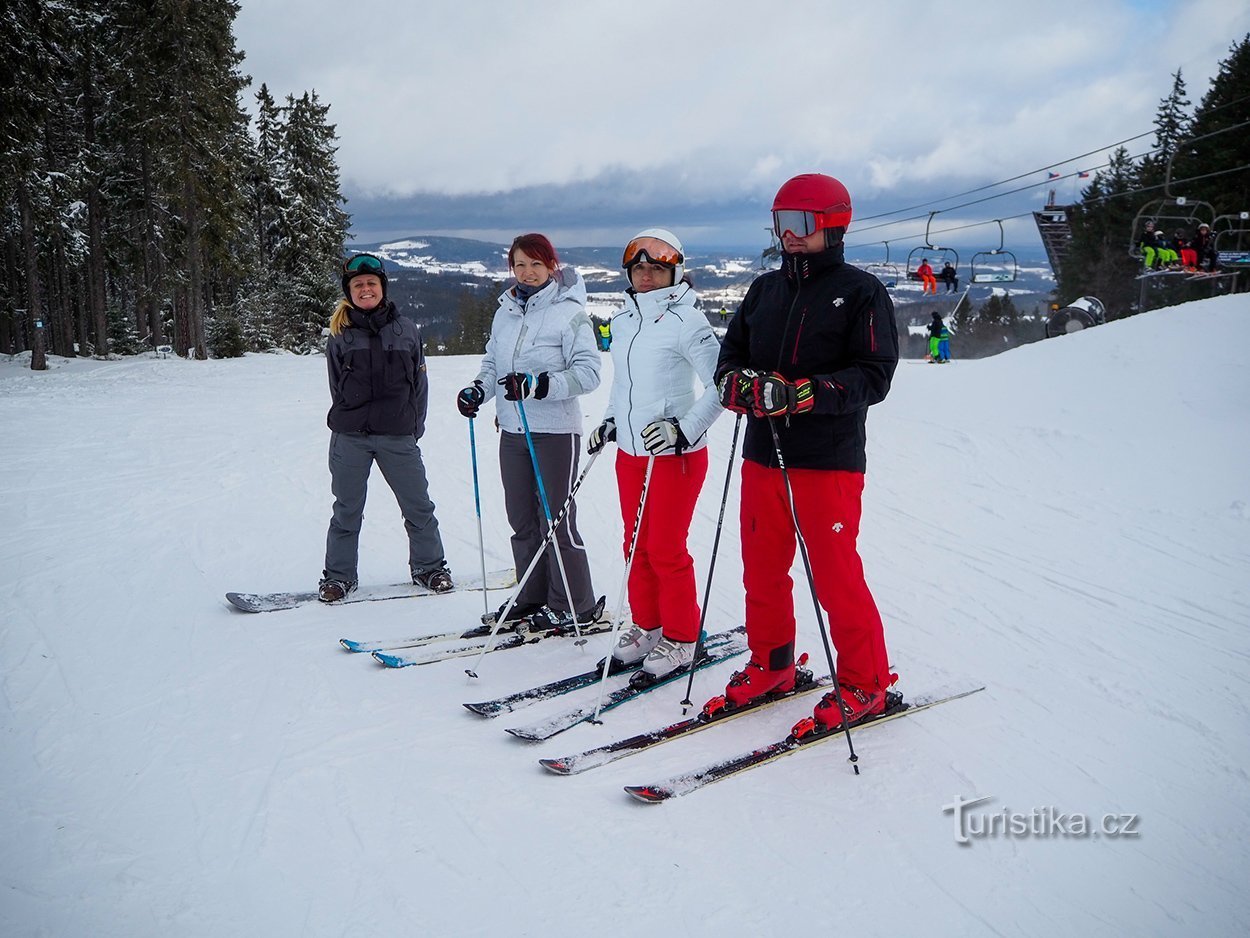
{"x": 799, "y": 224}
{"x": 363, "y": 264}
{"x": 651, "y": 250}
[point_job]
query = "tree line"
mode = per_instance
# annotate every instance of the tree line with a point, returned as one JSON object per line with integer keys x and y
{"x": 1207, "y": 148}
{"x": 140, "y": 205}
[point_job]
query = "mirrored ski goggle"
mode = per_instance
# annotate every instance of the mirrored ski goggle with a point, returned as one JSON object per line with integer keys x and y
{"x": 799, "y": 224}
{"x": 363, "y": 264}
{"x": 651, "y": 250}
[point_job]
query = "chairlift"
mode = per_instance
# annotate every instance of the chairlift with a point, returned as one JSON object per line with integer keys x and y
{"x": 980, "y": 270}
{"x": 1230, "y": 239}
{"x": 886, "y": 272}
{"x": 942, "y": 256}
{"x": 1168, "y": 213}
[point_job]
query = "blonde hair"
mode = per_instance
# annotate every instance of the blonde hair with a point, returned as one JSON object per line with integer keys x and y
{"x": 339, "y": 320}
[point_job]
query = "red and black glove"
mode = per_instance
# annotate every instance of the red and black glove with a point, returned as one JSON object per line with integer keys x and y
{"x": 774, "y": 396}
{"x": 736, "y": 389}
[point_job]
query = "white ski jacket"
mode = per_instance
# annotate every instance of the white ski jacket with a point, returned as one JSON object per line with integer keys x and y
{"x": 550, "y": 333}
{"x": 664, "y": 362}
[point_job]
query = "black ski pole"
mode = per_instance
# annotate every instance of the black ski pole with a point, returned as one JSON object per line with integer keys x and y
{"x": 711, "y": 566}
{"x": 811, "y": 583}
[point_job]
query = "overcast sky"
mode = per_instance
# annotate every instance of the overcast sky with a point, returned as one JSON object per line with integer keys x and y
{"x": 588, "y": 120}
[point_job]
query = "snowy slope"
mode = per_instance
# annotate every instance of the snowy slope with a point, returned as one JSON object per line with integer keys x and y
{"x": 1068, "y": 523}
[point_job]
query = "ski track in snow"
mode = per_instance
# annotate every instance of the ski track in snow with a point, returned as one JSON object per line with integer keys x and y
{"x": 1064, "y": 523}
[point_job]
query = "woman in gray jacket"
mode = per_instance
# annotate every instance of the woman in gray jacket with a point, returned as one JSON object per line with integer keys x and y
{"x": 541, "y": 355}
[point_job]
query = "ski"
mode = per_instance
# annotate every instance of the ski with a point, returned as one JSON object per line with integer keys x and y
{"x": 807, "y": 735}
{"x": 565, "y": 685}
{"x": 404, "y": 658}
{"x": 545, "y": 729}
{"x": 477, "y": 632}
{"x": 611, "y": 752}
{"x": 274, "y": 602}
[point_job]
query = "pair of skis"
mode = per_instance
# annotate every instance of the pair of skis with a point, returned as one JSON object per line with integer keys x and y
{"x": 275, "y": 602}
{"x": 416, "y": 650}
{"x": 805, "y": 733}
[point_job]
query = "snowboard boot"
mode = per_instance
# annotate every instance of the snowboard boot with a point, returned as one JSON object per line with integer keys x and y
{"x": 635, "y": 644}
{"x": 331, "y": 591}
{"x": 437, "y": 580}
{"x": 755, "y": 681}
{"x": 668, "y": 657}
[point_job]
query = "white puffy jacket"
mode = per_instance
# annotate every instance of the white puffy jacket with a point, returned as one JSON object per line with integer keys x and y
{"x": 551, "y": 333}
{"x": 664, "y": 362}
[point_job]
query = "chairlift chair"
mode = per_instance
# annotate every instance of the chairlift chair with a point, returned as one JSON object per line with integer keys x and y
{"x": 886, "y": 272}
{"x": 1230, "y": 236}
{"x": 929, "y": 250}
{"x": 980, "y": 270}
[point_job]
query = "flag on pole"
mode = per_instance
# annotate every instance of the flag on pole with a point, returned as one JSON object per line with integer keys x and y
{"x": 1052, "y": 175}
{"x": 1082, "y": 175}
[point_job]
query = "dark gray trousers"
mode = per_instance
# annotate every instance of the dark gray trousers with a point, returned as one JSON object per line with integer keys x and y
{"x": 352, "y": 455}
{"x": 557, "y": 459}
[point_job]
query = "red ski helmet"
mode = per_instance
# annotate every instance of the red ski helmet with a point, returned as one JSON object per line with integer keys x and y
{"x": 809, "y": 203}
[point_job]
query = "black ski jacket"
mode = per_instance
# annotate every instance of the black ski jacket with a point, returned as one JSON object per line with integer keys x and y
{"x": 823, "y": 319}
{"x": 377, "y": 375}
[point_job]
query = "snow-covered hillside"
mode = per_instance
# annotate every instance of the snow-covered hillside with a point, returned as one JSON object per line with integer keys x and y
{"x": 1067, "y": 524}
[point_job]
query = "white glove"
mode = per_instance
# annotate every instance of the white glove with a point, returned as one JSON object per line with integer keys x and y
{"x": 663, "y": 436}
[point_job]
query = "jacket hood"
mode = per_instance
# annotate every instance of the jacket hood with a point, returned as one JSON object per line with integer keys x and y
{"x": 569, "y": 285}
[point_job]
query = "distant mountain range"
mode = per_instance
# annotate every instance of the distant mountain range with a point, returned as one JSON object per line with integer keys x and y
{"x": 428, "y": 273}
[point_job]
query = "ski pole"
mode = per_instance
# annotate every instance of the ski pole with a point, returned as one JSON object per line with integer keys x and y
{"x": 477, "y": 505}
{"x": 811, "y": 583}
{"x": 516, "y": 592}
{"x": 542, "y": 496}
{"x": 707, "y": 591}
{"x": 618, "y": 616}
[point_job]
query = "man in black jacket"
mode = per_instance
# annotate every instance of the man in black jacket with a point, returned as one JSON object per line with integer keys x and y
{"x": 812, "y": 346}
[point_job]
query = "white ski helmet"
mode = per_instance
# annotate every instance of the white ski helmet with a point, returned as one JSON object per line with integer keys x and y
{"x": 658, "y": 246}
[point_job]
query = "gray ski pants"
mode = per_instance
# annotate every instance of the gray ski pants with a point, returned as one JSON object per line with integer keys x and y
{"x": 557, "y": 459}
{"x": 352, "y": 456}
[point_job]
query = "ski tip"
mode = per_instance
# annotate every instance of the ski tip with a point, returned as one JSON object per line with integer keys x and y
{"x": 521, "y": 733}
{"x": 648, "y": 794}
{"x": 390, "y": 661}
{"x": 481, "y": 709}
{"x": 239, "y": 601}
{"x": 350, "y": 645}
{"x": 555, "y": 766}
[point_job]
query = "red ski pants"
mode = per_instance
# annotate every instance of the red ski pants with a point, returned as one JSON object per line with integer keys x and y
{"x": 828, "y": 504}
{"x": 662, "y": 590}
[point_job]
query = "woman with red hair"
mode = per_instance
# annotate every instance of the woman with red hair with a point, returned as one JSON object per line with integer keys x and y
{"x": 541, "y": 356}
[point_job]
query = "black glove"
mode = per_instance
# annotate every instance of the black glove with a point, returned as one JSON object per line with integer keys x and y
{"x": 662, "y": 436}
{"x": 470, "y": 399}
{"x": 601, "y": 436}
{"x": 519, "y": 386}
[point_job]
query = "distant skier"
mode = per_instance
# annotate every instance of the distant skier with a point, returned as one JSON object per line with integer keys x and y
{"x": 1204, "y": 248}
{"x": 939, "y": 340}
{"x": 541, "y": 352}
{"x": 925, "y": 273}
{"x": 814, "y": 393}
{"x": 379, "y": 394}
{"x": 663, "y": 401}
{"x": 950, "y": 277}
{"x": 724, "y": 315}
{"x": 605, "y": 335}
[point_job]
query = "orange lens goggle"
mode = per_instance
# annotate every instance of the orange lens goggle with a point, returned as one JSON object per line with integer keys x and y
{"x": 652, "y": 250}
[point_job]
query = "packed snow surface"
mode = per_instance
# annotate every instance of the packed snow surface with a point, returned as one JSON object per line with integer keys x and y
{"x": 1067, "y": 524}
